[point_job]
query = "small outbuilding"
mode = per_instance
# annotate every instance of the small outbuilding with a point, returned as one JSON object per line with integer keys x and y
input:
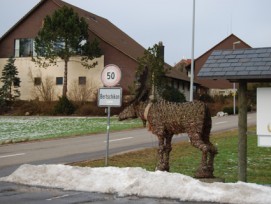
{"x": 240, "y": 66}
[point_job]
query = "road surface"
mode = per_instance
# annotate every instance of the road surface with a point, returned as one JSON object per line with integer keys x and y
{"x": 61, "y": 151}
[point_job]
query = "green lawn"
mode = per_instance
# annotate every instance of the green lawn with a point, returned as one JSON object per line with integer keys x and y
{"x": 14, "y": 129}
{"x": 185, "y": 158}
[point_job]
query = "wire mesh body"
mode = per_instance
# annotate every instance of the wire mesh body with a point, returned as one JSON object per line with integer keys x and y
{"x": 166, "y": 119}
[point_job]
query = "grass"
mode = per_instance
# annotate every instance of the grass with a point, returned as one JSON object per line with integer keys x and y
{"x": 185, "y": 159}
{"x": 16, "y": 129}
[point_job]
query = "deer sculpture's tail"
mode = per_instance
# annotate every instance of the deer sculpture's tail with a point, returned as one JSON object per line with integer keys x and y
{"x": 207, "y": 121}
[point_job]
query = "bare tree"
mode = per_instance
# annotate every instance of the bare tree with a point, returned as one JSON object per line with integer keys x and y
{"x": 44, "y": 88}
{"x": 83, "y": 93}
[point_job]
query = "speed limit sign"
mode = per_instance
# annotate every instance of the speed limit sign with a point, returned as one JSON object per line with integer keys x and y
{"x": 111, "y": 75}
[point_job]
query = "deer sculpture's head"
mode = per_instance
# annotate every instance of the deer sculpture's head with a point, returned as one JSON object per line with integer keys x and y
{"x": 141, "y": 94}
{"x": 128, "y": 112}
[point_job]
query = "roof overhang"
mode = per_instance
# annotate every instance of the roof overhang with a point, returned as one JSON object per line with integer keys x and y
{"x": 252, "y": 65}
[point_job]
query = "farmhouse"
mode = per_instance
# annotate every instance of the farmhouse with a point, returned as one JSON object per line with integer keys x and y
{"x": 117, "y": 48}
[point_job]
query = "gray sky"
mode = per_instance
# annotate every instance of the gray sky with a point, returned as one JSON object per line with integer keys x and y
{"x": 170, "y": 21}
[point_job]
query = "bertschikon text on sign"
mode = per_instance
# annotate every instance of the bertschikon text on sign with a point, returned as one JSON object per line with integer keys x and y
{"x": 109, "y": 96}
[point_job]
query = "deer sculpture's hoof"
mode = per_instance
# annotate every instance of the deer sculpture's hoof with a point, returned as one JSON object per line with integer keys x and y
{"x": 204, "y": 172}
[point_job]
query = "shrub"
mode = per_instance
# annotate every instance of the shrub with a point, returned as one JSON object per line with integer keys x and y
{"x": 64, "y": 106}
{"x": 173, "y": 95}
{"x": 221, "y": 99}
{"x": 89, "y": 108}
{"x": 3, "y": 106}
{"x": 83, "y": 93}
{"x": 206, "y": 98}
{"x": 229, "y": 110}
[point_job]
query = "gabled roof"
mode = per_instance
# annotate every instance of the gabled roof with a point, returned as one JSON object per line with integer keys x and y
{"x": 176, "y": 74}
{"x": 103, "y": 28}
{"x": 225, "y": 44}
{"x": 250, "y": 64}
{"x": 220, "y": 43}
{"x": 186, "y": 62}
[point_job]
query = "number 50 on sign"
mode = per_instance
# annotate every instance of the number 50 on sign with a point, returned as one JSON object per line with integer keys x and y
{"x": 111, "y": 75}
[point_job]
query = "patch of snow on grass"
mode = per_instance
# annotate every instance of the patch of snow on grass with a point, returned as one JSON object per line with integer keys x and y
{"x": 47, "y": 127}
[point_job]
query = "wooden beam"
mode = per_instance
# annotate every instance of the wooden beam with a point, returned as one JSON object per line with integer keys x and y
{"x": 242, "y": 127}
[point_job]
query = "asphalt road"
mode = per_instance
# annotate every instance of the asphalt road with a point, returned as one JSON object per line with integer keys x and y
{"x": 61, "y": 151}
{"x": 230, "y": 122}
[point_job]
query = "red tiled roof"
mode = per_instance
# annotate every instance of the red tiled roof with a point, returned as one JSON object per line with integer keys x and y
{"x": 185, "y": 61}
{"x": 108, "y": 32}
{"x": 103, "y": 28}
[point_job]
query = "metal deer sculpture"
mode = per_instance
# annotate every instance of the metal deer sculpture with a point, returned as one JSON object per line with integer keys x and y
{"x": 166, "y": 119}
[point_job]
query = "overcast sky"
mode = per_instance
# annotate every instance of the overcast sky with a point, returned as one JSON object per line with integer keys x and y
{"x": 170, "y": 21}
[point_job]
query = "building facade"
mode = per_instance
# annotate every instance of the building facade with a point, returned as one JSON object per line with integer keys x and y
{"x": 117, "y": 48}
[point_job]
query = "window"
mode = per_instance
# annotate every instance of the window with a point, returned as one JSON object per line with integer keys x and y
{"x": 82, "y": 80}
{"x": 37, "y": 81}
{"x": 24, "y": 47}
{"x": 59, "y": 46}
{"x": 59, "y": 80}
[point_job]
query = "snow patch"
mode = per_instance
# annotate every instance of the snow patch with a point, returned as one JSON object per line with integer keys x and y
{"x": 139, "y": 182}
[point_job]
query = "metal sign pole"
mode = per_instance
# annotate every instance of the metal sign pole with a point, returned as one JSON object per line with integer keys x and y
{"x": 192, "y": 55}
{"x": 107, "y": 138}
{"x": 111, "y": 76}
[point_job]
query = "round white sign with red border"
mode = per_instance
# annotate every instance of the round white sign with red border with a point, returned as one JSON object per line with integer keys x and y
{"x": 111, "y": 75}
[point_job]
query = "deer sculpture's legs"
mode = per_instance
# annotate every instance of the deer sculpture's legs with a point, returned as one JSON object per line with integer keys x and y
{"x": 212, "y": 149}
{"x": 203, "y": 171}
{"x": 212, "y": 153}
{"x": 206, "y": 168}
{"x": 163, "y": 152}
{"x": 168, "y": 149}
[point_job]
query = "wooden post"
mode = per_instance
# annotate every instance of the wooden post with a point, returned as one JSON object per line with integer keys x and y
{"x": 242, "y": 127}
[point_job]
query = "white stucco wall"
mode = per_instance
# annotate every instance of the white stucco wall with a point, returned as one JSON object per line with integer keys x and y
{"x": 221, "y": 92}
{"x": 186, "y": 92}
{"x": 25, "y": 67}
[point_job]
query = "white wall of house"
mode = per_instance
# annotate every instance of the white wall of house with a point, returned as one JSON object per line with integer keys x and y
{"x": 184, "y": 88}
{"x": 28, "y": 71}
{"x": 221, "y": 92}
{"x": 186, "y": 93}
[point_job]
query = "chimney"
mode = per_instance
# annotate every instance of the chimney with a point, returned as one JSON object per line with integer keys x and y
{"x": 161, "y": 50}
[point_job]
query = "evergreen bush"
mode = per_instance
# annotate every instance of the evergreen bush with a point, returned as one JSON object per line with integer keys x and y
{"x": 173, "y": 95}
{"x": 9, "y": 91}
{"x": 206, "y": 98}
{"x": 64, "y": 106}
